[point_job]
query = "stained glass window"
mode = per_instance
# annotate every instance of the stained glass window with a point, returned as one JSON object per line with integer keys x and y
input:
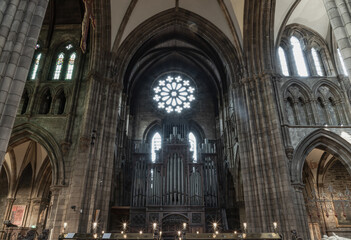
{"x": 155, "y": 145}
{"x": 299, "y": 57}
{"x": 35, "y": 67}
{"x": 342, "y": 63}
{"x": 192, "y": 141}
{"x": 71, "y": 66}
{"x": 58, "y": 68}
{"x": 174, "y": 94}
{"x": 283, "y": 62}
{"x": 317, "y": 63}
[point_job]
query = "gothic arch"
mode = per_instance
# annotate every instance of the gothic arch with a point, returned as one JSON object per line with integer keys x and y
{"x": 303, "y": 88}
{"x": 153, "y": 127}
{"x": 322, "y": 139}
{"x": 334, "y": 89}
{"x": 40, "y": 135}
{"x": 222, "y": 52}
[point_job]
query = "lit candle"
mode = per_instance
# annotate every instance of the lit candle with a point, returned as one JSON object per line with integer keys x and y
{"x": 215, "y": 225}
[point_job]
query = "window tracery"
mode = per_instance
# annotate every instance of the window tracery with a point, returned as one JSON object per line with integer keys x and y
{"x": 306, "y": 53}
{"x": 173, "y": 94}
{"x": 299, "y": 57}
{"x": 283, "y": 62}
{"x": 317, "y": 62}
{"x": 65, "y": 63}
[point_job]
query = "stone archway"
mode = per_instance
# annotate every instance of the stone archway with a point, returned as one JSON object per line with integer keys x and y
{"x": 313, "y": 172}
{"x": 29, "y": 176}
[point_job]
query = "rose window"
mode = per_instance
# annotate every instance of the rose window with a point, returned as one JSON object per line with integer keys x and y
{"x": 174, "y": 94}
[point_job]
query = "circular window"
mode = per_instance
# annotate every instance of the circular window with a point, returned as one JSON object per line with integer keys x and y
{"x": 173, "y": 94}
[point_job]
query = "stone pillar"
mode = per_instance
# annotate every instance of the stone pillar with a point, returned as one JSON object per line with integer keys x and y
{"x": 55, "y": 222}
{"x": 10, "y": 202}
{"x": 20, "y": 23}
{"x": 34, "y": 212}
{"x": 301, "y": 210}
{"x": 340, "y": 21}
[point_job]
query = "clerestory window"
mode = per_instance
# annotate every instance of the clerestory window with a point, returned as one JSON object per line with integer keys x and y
{"x": 317, "y": 62}
{"x": 283, "y": 62}
{"x": 33, "y": 74}
{"x": 65, "y": 63}
{"x": 299, "y": 57}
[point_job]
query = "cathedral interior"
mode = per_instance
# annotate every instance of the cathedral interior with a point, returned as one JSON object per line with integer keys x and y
{"x": 119, "y": 114}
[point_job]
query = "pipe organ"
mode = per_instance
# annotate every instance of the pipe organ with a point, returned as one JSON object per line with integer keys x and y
{"x": 174, "y": 187}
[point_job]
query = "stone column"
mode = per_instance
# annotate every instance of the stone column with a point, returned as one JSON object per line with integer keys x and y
{"x": 301, "y": 210}
{"x": 20, "y": 23}
{"x": 340, "y": 21}
{"x": 54, "y": 221}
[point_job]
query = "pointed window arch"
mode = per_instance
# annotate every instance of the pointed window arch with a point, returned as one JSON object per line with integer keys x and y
{"x": 193, "y": 146}
{"x": 35, "y": 67}
{"x": 64, "y": 65}
{"x": 283, "y": 62}
{"x": 59, "y": 64}
{"x": 155, "y": 145}
{"x": 71, "y": 65}
{"x": 33, "y": 74}
{"x": 317, "y": 62}
{"x": 299, "y": 57}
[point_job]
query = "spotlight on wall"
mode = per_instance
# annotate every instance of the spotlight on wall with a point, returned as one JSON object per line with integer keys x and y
{"x": 73, "y": 208}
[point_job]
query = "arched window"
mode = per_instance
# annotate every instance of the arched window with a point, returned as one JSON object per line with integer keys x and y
{"x": 192, "y": 141}
{"x": 342, "y": 63}
{"x": 71, "y": 66}
{"x": 35, "y": 63}
{"x": 317, "y": 62}
{"x": 299, "y": 57}
{"x": 58, "y": 68}
{"x": 283, "y": 62}
{"x": 155, "y": 146}
{"x": 65, "y": 63}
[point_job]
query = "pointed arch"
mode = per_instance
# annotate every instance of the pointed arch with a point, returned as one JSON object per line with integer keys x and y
{"x": 323, "y": 139}
{"x": 156, "y": 144}
{"x": 44, "y": 138}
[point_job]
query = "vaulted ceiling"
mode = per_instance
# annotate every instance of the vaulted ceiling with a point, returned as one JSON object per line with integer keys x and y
{"x": 227, "y": 15}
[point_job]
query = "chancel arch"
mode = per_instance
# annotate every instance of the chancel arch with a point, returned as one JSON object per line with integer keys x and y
{"x": 175, "y": 84}
{"x": 29, "y": 178}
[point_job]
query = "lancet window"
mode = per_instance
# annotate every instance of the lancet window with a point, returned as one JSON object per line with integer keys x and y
{"x": 64, "y": 64}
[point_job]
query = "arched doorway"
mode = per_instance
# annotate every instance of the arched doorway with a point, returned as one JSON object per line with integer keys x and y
{"x": 327, "y": 194}
{"x": 25, "y": 180}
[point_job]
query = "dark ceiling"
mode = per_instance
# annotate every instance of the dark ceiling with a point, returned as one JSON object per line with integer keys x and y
{"x": 64, "y": 12}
